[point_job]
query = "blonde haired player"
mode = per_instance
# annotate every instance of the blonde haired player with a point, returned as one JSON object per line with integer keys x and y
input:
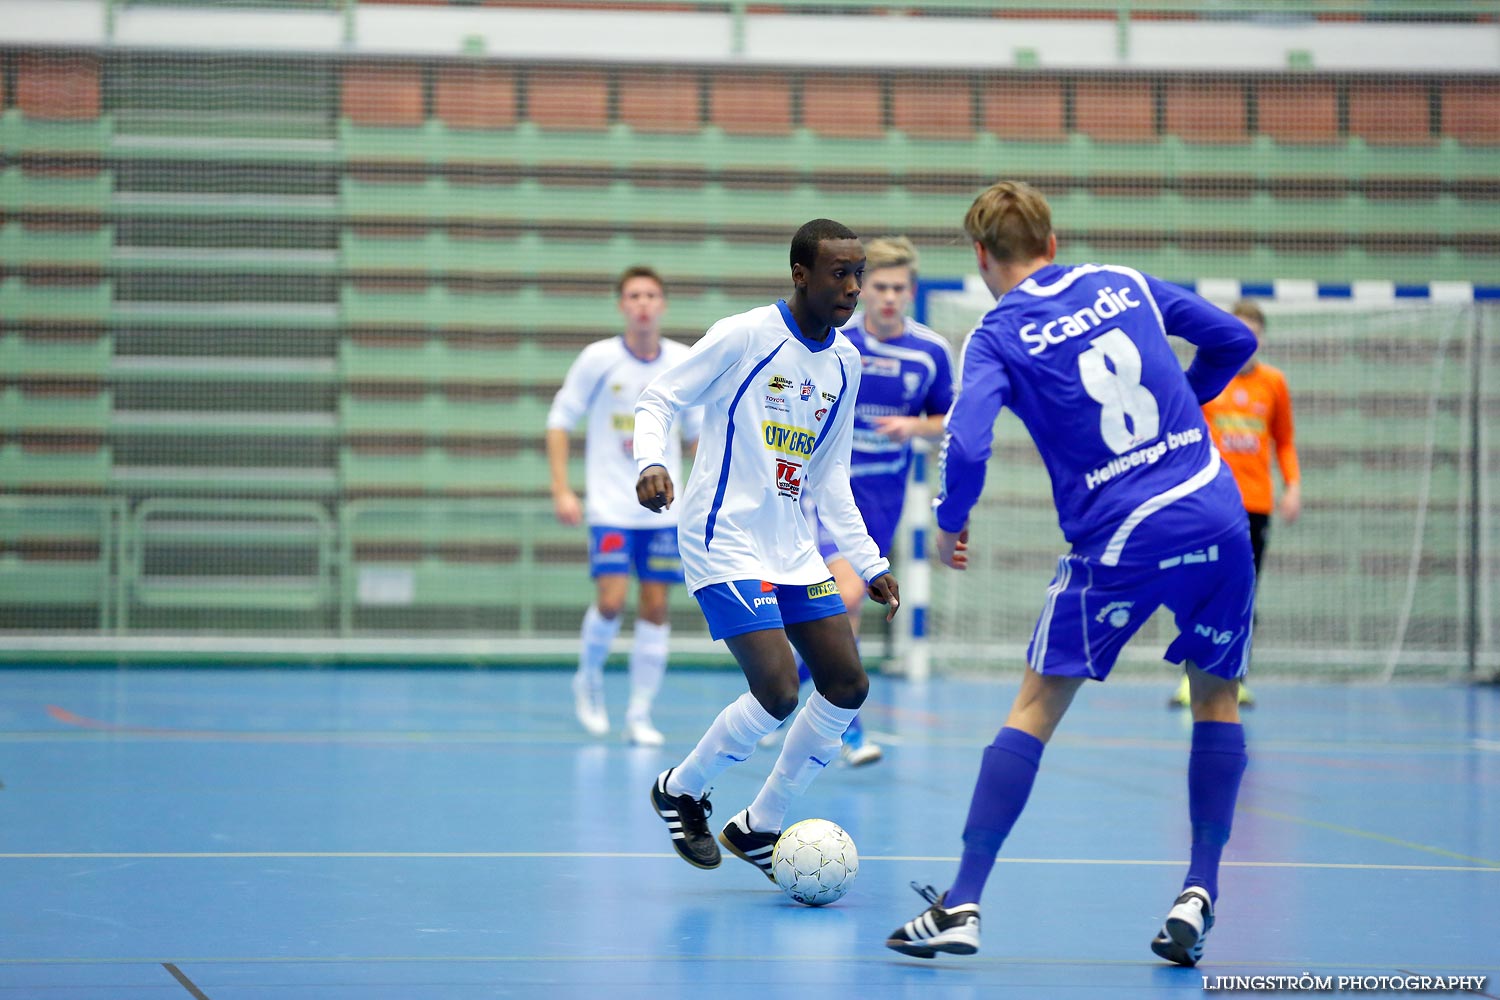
{"x": 1080, "y": 353}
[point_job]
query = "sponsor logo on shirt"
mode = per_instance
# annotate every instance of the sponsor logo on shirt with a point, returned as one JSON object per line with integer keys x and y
{"x": 1107, "y": 305}
{"x": 880, "y": 366}
{"x": 779, "y": 382}
{"x": 624, "y": 422}
{"x": 777, "y": 403}
{"x": 807, "y": 390}
{"x": 792, "y": 440}
{"x": 788, "y": 478}
{"x": 824, "y": 589}
{"x": 1149, "y": 455}
{"x": 828, "y": 397}
{"x": 821, "y": 413}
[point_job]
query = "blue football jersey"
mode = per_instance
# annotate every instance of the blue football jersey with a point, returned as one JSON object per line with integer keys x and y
{"x": 1080, "y": 354}
{"x": 907, "y": 376}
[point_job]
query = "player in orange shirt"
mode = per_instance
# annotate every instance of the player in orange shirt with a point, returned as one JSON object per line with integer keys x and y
{"x": 1249, "y": 420}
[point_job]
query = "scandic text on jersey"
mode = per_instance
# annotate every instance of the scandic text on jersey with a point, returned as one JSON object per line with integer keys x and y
{"x": 1107, "y": 305}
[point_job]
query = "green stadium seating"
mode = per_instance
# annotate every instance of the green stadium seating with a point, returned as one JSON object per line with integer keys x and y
{"x": 31, "y": 246}
{"x": 19, "y": 134}
{"x": 404, "y": 553}
{"x": 435, "y": 415}
{"x": 267, "y": 555}
{"x": 59, "y": 552}
{"x": 73, "y": 469}
{"x": 437, "y": 361}
{"x": 436, "y": 471}
{"x": 87, "y": 301}
{"x": 82, "y": 195}
{"x": 26, "y": 356}
{"x": 71, "y": 412}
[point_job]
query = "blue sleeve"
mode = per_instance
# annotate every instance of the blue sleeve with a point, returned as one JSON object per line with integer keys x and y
{"x": 1223, "y": 340}
{"x": 940, "y": 395}
{"x": 983, "y": 391}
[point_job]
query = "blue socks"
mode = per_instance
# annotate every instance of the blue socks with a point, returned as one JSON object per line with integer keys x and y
{"x": 1215, "y": 767}
{"x": 1005, "y": 780}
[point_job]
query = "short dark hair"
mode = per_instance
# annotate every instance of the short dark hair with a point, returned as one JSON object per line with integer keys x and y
{"x": 638, "y": 271}
{"x": 805, "y": 243}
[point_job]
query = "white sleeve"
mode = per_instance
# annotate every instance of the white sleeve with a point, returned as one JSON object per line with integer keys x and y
{"x": 682, "y": 386}
{"x": 691, "y": 423}
{"x": 572, "y": 400}
{"x": 829, "y": 472}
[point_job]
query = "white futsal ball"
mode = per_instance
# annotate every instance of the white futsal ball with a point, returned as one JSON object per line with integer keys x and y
{"x": 815, "y": 862}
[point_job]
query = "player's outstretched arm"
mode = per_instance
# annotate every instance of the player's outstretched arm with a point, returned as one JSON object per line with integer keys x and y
{"x": 953, "y": 548}
{"x": 654, "y": 488}
{"x": 885, "y": 590}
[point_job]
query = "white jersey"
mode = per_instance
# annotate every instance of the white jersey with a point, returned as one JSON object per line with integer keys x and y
{"x": 603, "y": 383}
{"x": 778, "y": 420}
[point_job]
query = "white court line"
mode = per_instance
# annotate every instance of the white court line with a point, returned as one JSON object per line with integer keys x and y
{"x": 657, "y": 855}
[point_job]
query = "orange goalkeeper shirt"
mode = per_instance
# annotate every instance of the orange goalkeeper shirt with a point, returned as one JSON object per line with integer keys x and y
{"x": 1248, "y": 419}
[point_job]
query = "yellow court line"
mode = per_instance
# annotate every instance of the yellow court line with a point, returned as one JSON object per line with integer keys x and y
{"x": 1370, "y": 835}
{"x": 666, "y": 855}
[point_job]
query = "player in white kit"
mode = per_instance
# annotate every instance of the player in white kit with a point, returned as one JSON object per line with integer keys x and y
{"x": 602, "y": 386}
{"x": 778, "y": 386}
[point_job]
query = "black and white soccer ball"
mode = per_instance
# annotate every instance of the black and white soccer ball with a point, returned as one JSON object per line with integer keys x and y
{"x": 815, "y": 862}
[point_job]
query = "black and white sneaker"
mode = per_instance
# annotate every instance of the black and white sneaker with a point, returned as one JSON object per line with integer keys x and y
{"x": 687, "y": 818}
{"x": 1187, "y": 925}
{"x": 749, "y": 845}
{"x": 938, "y": 928}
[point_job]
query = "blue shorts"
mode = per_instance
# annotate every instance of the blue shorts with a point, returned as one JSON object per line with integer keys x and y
{"x": 1092, "y": 610}
{"x": 651, "y": 552}
{"x": 742, "y": 606}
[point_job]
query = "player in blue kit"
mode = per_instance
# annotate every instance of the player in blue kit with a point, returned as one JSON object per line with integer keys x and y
{"x": 906, "y": 389}
{"x": 777, "y": 386}
{"x": 1154, "y": 518}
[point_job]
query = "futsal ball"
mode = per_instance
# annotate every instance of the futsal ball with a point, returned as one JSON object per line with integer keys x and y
{"x": 814, "y": 862}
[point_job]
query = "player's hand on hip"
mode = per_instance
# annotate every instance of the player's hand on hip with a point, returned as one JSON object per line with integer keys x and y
{"x": 654, "y": 488}
{"x": 885, "y": 590}
{"x": 953, "y": 549}
{"x": 566, "y": 507}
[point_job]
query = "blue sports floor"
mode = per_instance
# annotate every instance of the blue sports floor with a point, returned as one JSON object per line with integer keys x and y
{"x": 351, "y": 835}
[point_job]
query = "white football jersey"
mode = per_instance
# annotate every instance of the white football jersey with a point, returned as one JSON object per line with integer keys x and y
{"x": 778, "y": 420}
{"x": 602, "y": 384}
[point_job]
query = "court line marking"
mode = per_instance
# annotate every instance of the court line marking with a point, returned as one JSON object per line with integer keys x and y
{"x": 187, "y": 983}
{"x": 859, "y": 960}
{"x": 661, "y": 855}
{"x": 1369, "y": 835}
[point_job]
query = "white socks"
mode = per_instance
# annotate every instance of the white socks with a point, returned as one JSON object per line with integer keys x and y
{"x": 648, "y": 663}
{"x": 597, "y": 633}
{"x": 811, "y": 744}
{"x": 731, "y": 739}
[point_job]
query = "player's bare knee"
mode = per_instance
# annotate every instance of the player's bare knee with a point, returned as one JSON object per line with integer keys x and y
{"x": 609, "y": 609}
{"x": 777, "y": 698}
{"x": 848, "y": 692}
